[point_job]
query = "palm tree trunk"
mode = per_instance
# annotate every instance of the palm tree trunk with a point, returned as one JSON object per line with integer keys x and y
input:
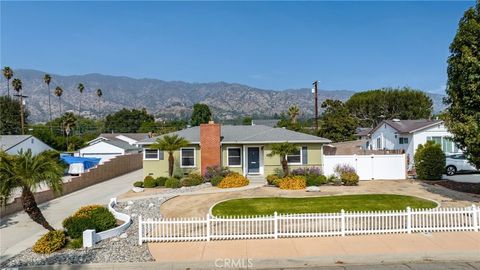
{"x": 49, "y": 107}
{"x": 80, "y": 105}
{"x": 170, "y": 164}
{"x": 30, "y": 206}
{"x": 8, "y": 88}
{"x": 60, "y": 104}
{"x": 285, "y": 166}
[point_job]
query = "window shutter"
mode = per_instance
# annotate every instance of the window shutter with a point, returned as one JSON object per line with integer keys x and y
{"x": 304, "y": 155}
{"x": 160, "y": 154}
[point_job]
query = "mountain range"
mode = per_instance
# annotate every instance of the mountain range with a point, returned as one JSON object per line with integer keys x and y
{"x": 166, "y": 99}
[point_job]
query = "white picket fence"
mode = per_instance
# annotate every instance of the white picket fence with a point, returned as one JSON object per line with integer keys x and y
{"x": 309, "y": 225}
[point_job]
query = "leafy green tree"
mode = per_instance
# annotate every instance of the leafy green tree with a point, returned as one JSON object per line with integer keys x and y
{"x": 47, "y": 79}
{"x": 429, "y": 161}
{"x": 170, "y": 144}
{"x": 8, "y": 74}
{"x": 462, "y": 117}
{"x": 127, "y": 120}
{"x": 146, "y": 127}
{"x": 372, "y": 107}
{"x": 26, "y": 172}
{"x": 336, "y": 123}
{"x": 247, "y": 121}
{"x": 9, "y": 115}
{"x": 282, "y": 150}
{"x": 201, "y": 114}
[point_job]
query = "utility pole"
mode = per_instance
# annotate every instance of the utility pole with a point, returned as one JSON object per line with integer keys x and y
{"x": 22, "y": 119}
{"x": 315, "y": 96}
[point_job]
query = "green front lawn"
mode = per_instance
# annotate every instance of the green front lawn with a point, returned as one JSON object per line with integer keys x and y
{"x": 329, "y": 204}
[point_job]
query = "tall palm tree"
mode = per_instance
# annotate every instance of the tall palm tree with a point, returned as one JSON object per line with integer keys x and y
{"x": 47, "y": 79}
{"x": 282, "y": 150}
{"x": 27, "y": 172}
{"x": 170, "y": 143}
{"x": 17, "y": 86}
{"x": 99, "y": 95}
{"x": 293, "y": 112}
{"x": 80, "y": 88}
{"x": 58, "y": 93}
{"x": 8, "y": 74}
{"x": 68, "y": 121}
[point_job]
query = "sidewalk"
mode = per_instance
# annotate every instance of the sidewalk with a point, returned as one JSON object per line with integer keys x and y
{"x": 326, "y": 250}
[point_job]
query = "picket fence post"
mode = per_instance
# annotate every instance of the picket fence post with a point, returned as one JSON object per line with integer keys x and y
{"x": 275, "y": 225}
{"x": 342, "y": 214}
{"x": 475, "y": 218}
{"x": 208, "y": 227}
{"x": 140, "y": 240}
{"x": 409, "y": 219}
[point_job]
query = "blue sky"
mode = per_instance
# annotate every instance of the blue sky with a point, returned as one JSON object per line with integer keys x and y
{"x": 271, "y": 45}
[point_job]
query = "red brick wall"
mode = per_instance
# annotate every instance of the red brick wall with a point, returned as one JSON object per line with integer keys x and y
{"x": 209, "y": 145}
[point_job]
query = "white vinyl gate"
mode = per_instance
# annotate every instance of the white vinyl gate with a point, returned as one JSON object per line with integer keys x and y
{"x": 369, "y": 167}
{"x": 309, "y": 225}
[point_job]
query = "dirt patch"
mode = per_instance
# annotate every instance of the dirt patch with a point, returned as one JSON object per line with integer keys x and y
{"x": 473, "y": 188}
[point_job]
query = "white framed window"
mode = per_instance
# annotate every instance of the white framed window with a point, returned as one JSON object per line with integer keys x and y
{"x": 234, "y": 156}
{"x": 403, "y": 140}
{"x": 151, "y": 154}
{"x": 379, "y": 143}
{"x": 295, "y": 158}
{"x": 187, "y": 157}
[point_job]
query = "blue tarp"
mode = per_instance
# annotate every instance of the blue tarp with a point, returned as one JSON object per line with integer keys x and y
{"x": 87, "y": 162}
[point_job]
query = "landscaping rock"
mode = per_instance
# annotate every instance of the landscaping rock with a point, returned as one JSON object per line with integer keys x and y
{"x": 137, "y": 189}
{"x": 123, "y": 235}
{"x": 313, "y": 189}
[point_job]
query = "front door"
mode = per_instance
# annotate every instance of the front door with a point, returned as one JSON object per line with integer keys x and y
{"x": 253, "y": 159}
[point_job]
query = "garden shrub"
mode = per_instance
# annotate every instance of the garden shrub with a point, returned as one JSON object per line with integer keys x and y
{"x": 293, "y": 182}
{"x": 349, "y": 178}
{"x": 75, "y": 243}
{"x": 149, "y": 182}
{"x": 216, "y": 180}
{"x": 233, "y": 180}
{"x": 103, "y": 219}
{"x": 87, "y": 210}
{"x": 76, "y": 224}
{"x": 89, "y": 217}
{"x": 50, "y": 242}
{"x": 315, "y": 171}
{"x": 342, "y": 168}
{"x": 272, "y": 178}
{"x": 316, "y": 180}
{"x": 172, "y": 183}
{"x": 216, "y": 171}
{"x": 279, "y": 172}
{"x": 193, "y": 179}
{"x": 160, "y": 181}
{"x": 429, "y": 161}
{"x": 138, "y": 184}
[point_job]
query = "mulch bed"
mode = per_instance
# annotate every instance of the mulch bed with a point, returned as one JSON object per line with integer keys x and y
{"x": 473, "y": 188}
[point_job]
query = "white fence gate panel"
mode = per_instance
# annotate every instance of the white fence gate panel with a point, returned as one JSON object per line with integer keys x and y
{"x": 369, "y": 167}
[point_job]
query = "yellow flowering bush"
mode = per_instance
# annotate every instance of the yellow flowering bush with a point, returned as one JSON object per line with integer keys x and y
{"x": 50, "y": 242}
{"x": 233, "y": 180}
{"x": 293, "y": 182}
{"x": 86, "y": 210}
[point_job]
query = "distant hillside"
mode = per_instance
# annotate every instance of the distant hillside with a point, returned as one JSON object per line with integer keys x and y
{"x": 167, "y": 99}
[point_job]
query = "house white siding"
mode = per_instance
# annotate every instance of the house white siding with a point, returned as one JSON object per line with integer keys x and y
{"x": 32, "y": 143}
{"x": 383, "y": 138}
{"x": 102, "y": 150}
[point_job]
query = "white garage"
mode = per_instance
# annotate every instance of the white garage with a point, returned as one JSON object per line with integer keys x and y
{"x": 108, "y": 149}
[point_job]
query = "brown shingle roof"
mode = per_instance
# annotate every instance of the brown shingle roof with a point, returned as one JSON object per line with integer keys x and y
{"x": 407, "y": 126}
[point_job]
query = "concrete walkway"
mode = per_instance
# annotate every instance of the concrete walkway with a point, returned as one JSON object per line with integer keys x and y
{"x": 464, "y": 178}
{"x": 18, "y": 231}
{"x": 369, "y": 249}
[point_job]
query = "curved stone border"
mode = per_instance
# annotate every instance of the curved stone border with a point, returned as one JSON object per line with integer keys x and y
{"x": 90, "y": 237}
{"x": 427, "y": 199}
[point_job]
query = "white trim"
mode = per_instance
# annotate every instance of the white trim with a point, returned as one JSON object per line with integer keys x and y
{"x": 194, "y": 157}
{"x": 296, "y": 163}
{"x": 144, "y": 152}
{"x": 241, "y": 157}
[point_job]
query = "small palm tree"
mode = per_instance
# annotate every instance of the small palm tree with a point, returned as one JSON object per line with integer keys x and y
{"x": 293, "y": 112}
{"x": 58, "y": 93}
{"x": 282, "y": 150}
{"x": 80, "y": 88}
{"x": 17, "y": 86}
{"x": 26, "y": 172}
{"x": 99, "y": 95}
{"x": 47, "y": 79}
{"x": 170, "y": 143}
{"x": 8, "y": 74}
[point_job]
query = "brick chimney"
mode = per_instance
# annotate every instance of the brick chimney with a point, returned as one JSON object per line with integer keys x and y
{"x": 209, "y": 145}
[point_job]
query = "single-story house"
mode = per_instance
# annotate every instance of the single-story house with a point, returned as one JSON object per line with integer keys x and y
{"x": 108, "y": 149}
{"x": 130, "y": 138}
{"x": 12, "y": 144}
{"x": 406, "y": 135}
{"x": 243, "y": 149}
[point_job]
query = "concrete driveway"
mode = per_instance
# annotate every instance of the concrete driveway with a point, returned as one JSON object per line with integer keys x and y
{"x": 464, "y": 177}
{"x": 18, "y": 231}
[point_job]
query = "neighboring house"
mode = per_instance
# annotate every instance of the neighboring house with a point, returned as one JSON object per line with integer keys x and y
{"x": 12, "y": 144}
{"x": 243, "y": 149}
{"x": 108, "y": 149}
{"x": 363, "y": 133}
{"x": 356, "y": 147}
{"x": 406, "y": 135}
{"x": 130, "y": 138}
